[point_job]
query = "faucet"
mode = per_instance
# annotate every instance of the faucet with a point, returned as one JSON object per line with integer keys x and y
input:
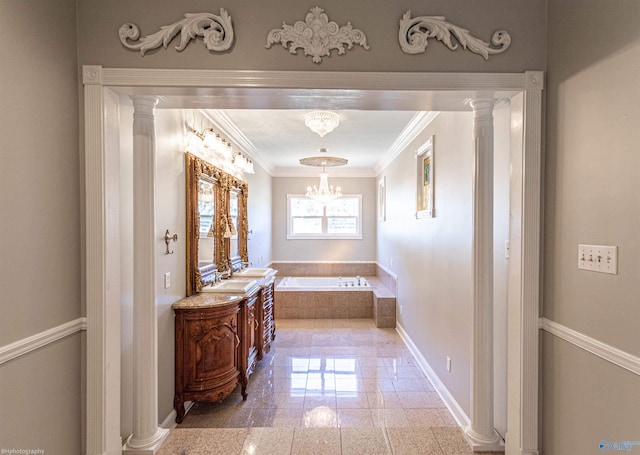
{"x": 245, "y": 265}
{"x": 358, "y": 278}
{"x": 219, "y": 276}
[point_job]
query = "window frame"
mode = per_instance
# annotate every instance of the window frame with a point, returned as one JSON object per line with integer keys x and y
{"x": 325, "y": 235}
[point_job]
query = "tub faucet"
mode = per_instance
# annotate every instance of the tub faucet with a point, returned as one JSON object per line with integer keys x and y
{"x": 358, "y": 278}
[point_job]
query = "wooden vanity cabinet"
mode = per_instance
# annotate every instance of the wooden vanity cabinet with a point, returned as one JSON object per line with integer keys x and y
{"x": 267, "y": 329}
{"x": 207, "y": 350}
{"x": 250, "y": 336}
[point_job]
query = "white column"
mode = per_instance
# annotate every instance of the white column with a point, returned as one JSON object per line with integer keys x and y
{"x": 147, "y": 436}
{"x": 480, "y": 433}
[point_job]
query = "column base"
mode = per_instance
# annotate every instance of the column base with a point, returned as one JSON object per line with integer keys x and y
{"x": 481, "y": 443}
{"x": 148, "y": 447}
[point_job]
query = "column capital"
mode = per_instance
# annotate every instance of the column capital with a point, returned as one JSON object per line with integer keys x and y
{"x": 143, "y": 103}
{"x": 482, "y": 107}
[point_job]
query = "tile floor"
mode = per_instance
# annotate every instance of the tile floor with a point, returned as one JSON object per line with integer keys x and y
{"x": 327, "y": 387}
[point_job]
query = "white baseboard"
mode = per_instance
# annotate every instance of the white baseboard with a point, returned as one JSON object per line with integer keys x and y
{"x": 26, "y": 345}
{"x": 462, "y": 419}
{"x": 170, "y": 421}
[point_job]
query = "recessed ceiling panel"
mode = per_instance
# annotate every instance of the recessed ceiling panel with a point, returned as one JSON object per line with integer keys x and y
{"x": 281, "y": 137}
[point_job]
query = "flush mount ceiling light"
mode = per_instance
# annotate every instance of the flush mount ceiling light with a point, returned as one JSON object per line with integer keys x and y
{"x": 321, "y": 122}
{"x": 324, "y": 193}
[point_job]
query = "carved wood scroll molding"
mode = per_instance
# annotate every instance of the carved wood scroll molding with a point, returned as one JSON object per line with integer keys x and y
{"x": 216, "y": 31}
{"x": 317, "y": 36}
{"x": 415, "y": 32}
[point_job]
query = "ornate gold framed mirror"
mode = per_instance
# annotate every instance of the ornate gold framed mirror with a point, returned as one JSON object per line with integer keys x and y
{"x": 217, "y": 229}
{"x": 238, "y": 225}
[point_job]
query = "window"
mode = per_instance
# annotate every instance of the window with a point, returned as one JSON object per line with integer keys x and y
{"x": 340, "y": 219}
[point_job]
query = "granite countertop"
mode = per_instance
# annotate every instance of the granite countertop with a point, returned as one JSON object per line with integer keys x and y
{"x": 205, "y": 300}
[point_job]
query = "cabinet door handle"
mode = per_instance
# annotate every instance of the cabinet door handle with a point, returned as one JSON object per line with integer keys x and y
{"x": 237, "y": 341}
{"x": 256, "y": 324}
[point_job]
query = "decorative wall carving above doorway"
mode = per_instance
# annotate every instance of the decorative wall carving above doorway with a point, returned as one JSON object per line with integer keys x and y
{"x": 415, "y": 32}
{"x": 216, "y": 31}
{"x": 317, "y": 36}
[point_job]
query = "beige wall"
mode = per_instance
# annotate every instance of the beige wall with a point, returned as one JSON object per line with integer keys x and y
{"x": 592, "y": 187}
{"x": 40, "y": 274}
{"x": 324, "y": 250}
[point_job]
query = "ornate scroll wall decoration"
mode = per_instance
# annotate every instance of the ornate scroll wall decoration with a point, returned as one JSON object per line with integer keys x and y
{"x": 415, "y": 33}
{"x": 317, "y": 36}
{"x": 217, "y": 33}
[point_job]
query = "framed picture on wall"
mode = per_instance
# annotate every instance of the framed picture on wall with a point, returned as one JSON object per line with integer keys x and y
{"x": 425, "y": 180}
{"x": 382, "y": 199}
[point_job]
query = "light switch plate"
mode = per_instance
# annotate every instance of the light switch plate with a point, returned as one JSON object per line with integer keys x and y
{"x": 598, "y": 258}
{"x": 167, "y": 280}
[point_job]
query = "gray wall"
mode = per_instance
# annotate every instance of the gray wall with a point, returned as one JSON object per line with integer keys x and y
{"x": 432, "y": 256}
{"x": 324, "y": 250}
{"x": 525, "y": 20}
{"x": 592, "y": 186}
{"x": 45, "y": 160}
{"x": 40, "y": 224}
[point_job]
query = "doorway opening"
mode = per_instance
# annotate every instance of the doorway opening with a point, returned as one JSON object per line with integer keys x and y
{"x": 224, "y": 89}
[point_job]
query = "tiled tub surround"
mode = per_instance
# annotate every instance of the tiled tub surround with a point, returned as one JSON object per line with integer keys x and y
{"x": 325, "y": 268}
{"x": 340, "y": 304}
{"x": 378, "y": 302}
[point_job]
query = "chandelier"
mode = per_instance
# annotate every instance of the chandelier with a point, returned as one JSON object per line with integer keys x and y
{"x": 324, "y": 193}
{"x": 321, "y": 122}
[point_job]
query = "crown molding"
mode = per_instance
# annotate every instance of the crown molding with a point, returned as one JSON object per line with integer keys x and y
{"x": 417, "y": 124}
{"x": 233, "y": 133}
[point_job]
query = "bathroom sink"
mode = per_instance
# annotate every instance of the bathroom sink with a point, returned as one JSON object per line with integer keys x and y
{"x": 231, "y": 286}
{"x": 255, "y": 272}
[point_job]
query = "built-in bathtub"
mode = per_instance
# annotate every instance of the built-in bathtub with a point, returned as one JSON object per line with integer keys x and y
{"x": 322, "y": 283}
{"x": 323, "y": 298}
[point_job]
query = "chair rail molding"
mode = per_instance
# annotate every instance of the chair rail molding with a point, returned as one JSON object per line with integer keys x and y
{"x": 24, "y": 346}
{"x": 216, "y": 31}
{"x": 415, "y": 32}
{"x": 316, "y": 36}
{"x": 605, "y": 351}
